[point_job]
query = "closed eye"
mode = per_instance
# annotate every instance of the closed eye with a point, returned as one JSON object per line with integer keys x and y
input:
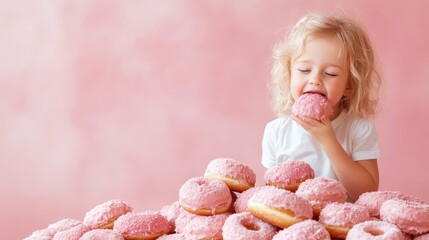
{"x": 304, "y": 70}
{"x": 331, "y": 74}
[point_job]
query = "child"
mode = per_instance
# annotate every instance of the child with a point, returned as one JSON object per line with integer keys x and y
{"x": 332, "y": 56}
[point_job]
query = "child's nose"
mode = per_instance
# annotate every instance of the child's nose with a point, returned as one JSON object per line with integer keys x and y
{"x": 315, "y": 79}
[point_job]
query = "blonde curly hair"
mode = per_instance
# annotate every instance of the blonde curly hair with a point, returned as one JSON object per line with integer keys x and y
{"x": 364, "y": 81}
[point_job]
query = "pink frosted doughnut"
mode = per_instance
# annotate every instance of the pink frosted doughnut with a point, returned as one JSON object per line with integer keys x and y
{"x": 102, "y": 234}
{"x": 42, "y": 234}
{"x": 245, "y": 226}
{"x": 321, "y": 191}
{"x": 238, "y": 176}
{"x": 422, "y": 237}
{"x": 205, "y": 196}
{"x": 201, "y": 227}
{"x": 339, "y": 218}
{"x": 411, "y": 217}
{"x": 288, "y": 175}
{"x": 142, "y": 225}
{"x": 52, "y": 229}
{"x": 312, "y": 105}
{"x": 171, "y": 212}
{"x": 375, "y": 230}
{"x": 279, "y": 207}
{"x": 74, "y": 233}
{"x": 104, "y": 214}
{"x": 308, "y": 229}
{"x": 174, "y": 236}
{"x": 240, "y": 204}
{"x": 373, "y": 200}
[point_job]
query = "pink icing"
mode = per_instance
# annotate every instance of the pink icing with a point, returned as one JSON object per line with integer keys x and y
{"x": 64, "y": 224}
{"x": 245, "y": 226}
{"x": 240, "y": 205}
{"x": 343, "y": 214}
{"x": 321, "y": 191}
{"x": 138, "y": 224}
{"x": 312, "y": 105}
{"x": 102, "y": 234}
{"x": 289, "y": 172}
{"x": 228, "y": 167}
{"x": 282, "y": 199}
{"x": 171, "y": 212}
{"x": 201, "y": 227}
{"x": 52, "y": 229}
{"x": 373, "y": 200}
{"x": 42, "y": 234}
{"x": 411, "y": 217}
{"x": 375, "y": 230}
{"x": 174, "y": 236}
{"x": 105, "y": 213}
{"x": 308, "y": 229}
{"x": 74, "y": 233}
{"x": 204, "y": 193}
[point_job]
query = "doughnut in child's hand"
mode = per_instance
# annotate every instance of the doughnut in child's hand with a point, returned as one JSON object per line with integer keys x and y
{"x": 142, "y": 225}
{"x": 410, "y": 216}
{"x": 339, "y": 218}
{"x": 104, "y": 214}
{"x": 375, "y": 230}
{"x": 279, "y": 207}
{"x": 205, "y": 196}
{"x": 288, "y": 175}
{"x": 312, "y": 105}
{"x": 308, "y": 229}
{"x": 321, "y": 191}
{"x": 238, "y": 176}
{"x": 245, "y": 226}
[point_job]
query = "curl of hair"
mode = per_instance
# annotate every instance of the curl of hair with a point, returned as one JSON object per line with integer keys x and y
{"x": 364, "y": 80}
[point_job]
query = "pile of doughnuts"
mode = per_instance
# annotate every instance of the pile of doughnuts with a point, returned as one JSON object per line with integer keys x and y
{"x": 224, "y": 203}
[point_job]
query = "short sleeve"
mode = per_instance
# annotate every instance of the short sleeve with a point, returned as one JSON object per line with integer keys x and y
{"x": 365, "y": 141}
{"x": 269, "y": 146}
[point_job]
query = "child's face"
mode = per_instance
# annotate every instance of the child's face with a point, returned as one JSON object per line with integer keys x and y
{"x": 321, "y": 68}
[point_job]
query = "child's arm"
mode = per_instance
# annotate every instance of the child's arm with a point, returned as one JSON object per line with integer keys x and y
{"x": 356, "y": 176}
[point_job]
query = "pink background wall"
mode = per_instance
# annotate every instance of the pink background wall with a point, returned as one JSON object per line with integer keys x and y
{"x": 107, "y": 99}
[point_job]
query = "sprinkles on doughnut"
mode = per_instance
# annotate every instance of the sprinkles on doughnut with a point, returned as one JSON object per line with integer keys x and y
{"x": 312, "y": 105}
{"x": 321, "y": 191}
{"x": 279, "y": 207}
{"x": 104, "y": 214}
{"x": 205, "y": 196}
{"x": 288, "y": 175}
{"x": 410, "y": 216}
{"x": 375, "y": 230}
{"x": 142, "y": 225}
{"x": 238, "y": 176}
{"x": 339, "y": 218}
{"x": 308, "y": 229}
{"x": 245, "y": 226}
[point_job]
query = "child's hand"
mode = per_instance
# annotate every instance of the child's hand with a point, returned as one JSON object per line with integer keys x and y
{"x": 322, "y": 131}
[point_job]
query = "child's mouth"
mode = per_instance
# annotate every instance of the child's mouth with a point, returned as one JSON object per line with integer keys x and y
{"x": 315, "y": 92}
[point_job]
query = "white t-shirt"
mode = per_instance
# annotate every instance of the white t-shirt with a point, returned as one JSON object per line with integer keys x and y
{"x": 285, "y": 139}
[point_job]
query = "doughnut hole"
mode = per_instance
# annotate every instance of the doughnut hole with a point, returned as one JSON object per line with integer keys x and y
{"x": 249, "y": 225}
{"x": 374, "y": 232}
